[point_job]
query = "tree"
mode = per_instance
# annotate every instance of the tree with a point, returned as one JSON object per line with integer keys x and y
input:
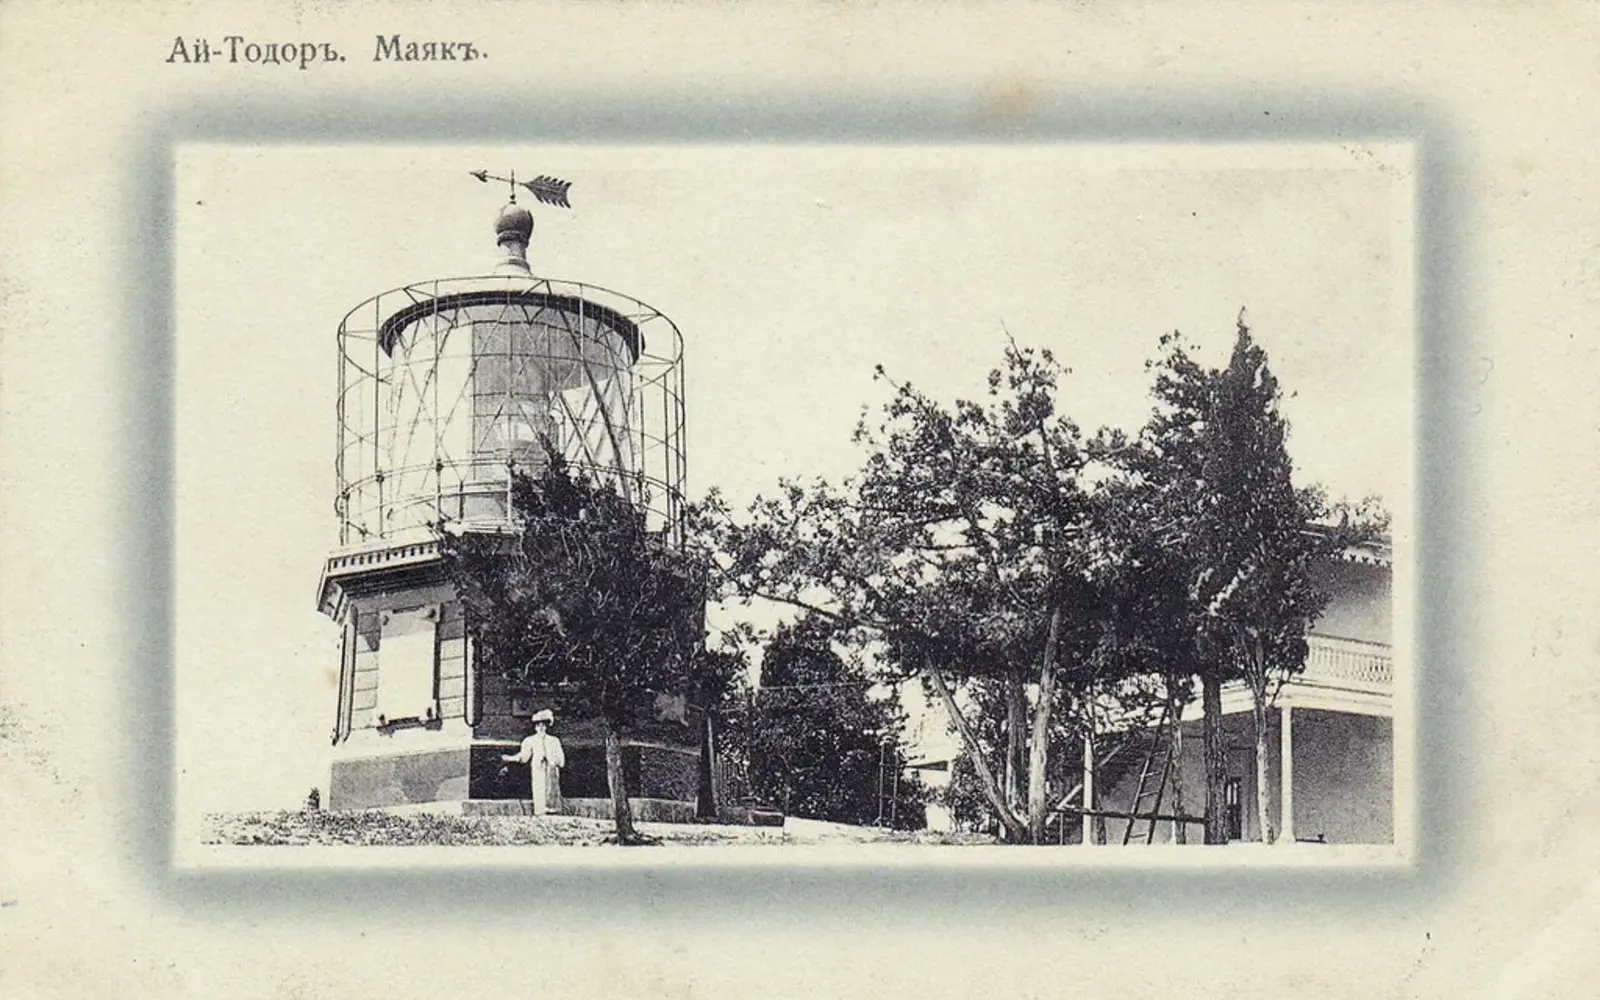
{"x": 1150, "y": 626}
{"x": 963, "y": 552}
{"x": 585, "y": 601}
{"x": 820, "y": 746}
{"x": 1214, "y": 471}
{"x": 1257, "y": 530}
{"x": 984, "y": 704}
{"x": 963, "y": 797}
{"x": 1165, "y": 482}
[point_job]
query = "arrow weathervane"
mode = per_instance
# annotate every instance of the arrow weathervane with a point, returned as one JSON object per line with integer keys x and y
{"x": 547, "y": 189}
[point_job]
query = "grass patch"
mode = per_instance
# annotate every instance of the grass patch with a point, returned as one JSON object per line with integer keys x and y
{"x": 376, "y": 828}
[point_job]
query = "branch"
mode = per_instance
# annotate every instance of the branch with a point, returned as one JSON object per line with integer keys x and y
{"x": 991, "y": 556}
{"x": 804, "y": 605}
{"x": 991, "y": 789}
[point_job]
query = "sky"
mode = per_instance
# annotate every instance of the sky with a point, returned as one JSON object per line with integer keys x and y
{"x": 791, "y": 272}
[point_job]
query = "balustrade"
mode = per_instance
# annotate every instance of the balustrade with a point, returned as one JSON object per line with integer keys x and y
{"x": 1349, "y": 661}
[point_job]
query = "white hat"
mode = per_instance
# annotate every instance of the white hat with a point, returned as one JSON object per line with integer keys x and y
{"x": 543, "y": 715}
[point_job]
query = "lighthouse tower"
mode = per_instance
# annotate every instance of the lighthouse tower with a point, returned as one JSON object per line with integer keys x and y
{"x": 446, "y": 389}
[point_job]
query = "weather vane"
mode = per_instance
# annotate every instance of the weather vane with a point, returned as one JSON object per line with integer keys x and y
{"x": 547, "y": 189}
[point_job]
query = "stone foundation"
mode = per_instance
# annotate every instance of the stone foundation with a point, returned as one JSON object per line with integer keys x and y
{"x": 398, "y": 779}
{"x": 664, "y": 780}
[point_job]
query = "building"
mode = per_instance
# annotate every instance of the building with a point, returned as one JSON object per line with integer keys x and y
{"x": 1331, "y": 736}
{"x": 446, "y": 388}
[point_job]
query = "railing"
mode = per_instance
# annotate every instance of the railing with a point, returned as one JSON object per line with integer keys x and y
{"x": 1348, "y": 663}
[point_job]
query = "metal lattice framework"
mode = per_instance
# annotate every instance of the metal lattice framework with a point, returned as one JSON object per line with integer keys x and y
{"x": 446, "y": 387}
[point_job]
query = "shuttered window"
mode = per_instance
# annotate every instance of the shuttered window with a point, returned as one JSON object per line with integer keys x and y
{"x": 406, "y": 663}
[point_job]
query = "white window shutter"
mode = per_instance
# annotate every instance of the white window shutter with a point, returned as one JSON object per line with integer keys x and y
{"x": 406, "y": 663}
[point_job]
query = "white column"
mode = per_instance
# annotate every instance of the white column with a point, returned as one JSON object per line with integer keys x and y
{"x": 1286, "y": 773}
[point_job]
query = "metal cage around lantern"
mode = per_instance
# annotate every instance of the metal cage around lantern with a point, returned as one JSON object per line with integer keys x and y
{"x": 448, "y": 387}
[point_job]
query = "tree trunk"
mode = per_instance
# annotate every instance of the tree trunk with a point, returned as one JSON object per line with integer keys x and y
{"x": 1012, "y": 827}
{"x": 621, "y": 809}
{"x": 1016, "y": 740}
{"x": 1039, "y": 748}
{"x": 1263, "y": 817}
{"x": 1216, "y": 760}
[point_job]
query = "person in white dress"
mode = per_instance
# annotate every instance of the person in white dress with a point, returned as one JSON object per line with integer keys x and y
{"x": 542, "y": 753}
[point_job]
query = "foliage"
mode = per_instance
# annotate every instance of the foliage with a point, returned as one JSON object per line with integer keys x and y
{"x": 969, "y": 808}
{"x": 1230, "y": 543}
{"x": 718, "y": 680}
{"x": 1033, "y": 579}
{"x": 964, "y": 551}
{"x": 584, "y": 600}
{"x": 819, "y": 745}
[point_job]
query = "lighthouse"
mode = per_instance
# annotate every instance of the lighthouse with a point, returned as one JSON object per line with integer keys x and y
{"x": 447, "y": 390}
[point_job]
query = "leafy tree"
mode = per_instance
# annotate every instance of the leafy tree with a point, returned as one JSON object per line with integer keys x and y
{"x": 819, "y": 745}
{"x": 990, "y": 551}
{"x": 1167, "y": 482}
{"x": 964, "y": 551}
{"x": 1256, "y": 532}
{"x": 585, "y": 600}
{"x": 1151, "y": 631}
{"x": 1240, "y": 540}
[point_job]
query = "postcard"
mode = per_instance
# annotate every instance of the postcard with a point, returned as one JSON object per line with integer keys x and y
{"x": 767, "y": 499}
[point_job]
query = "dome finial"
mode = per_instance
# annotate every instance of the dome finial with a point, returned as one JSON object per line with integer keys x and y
{"x": 513, "y": 229}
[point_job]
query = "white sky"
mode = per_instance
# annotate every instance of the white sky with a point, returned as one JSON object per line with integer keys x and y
{"x": 791, "y": 271}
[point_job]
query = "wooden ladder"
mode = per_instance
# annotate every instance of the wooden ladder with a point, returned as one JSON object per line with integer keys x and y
{"x": 1145, "y": 794}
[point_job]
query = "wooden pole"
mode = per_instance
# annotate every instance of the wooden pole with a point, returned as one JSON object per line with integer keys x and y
{"x": 894, "y": 793}
{"x": 1119, "y": 814}
{"x": 1088, "y": 786}
{"x": 1286, "y": 772}
{"x": 882, "y": 747}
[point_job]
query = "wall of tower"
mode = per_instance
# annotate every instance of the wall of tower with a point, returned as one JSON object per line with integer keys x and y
{"x": 443, "y": 384}
{"x": 364, "y": 635}
{"x": 497, "y": 717}
{"x": 476, "y": 716}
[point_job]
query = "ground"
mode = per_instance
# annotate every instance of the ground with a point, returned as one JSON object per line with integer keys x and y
{"x": 379, "y": 828}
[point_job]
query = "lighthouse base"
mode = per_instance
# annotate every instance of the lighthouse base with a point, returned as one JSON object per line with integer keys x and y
{"x": 421, "y": 721}
{"x": 440, "y": 766}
